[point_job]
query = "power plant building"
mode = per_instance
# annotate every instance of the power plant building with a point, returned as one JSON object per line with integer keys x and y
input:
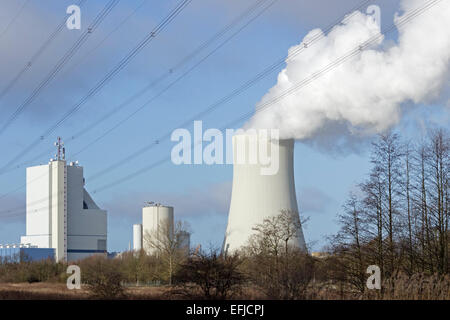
{"x": 257, "y": 196}
{"x": 60, "y": 213}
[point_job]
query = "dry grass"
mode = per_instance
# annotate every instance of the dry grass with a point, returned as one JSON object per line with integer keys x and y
{"x": 417, "y": 287}
{"x": 399, "y": 287}
{"x": 147, "y": 293}
{"x": 59, "y": 291}
{"x": 40, "y": 291}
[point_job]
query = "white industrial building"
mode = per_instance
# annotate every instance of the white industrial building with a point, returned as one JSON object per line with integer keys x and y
{"x": 256, "y": 196}
{"x": 157, "y": 223}
{"x": 137, "y": 237}
{"x": 60, "y": 213}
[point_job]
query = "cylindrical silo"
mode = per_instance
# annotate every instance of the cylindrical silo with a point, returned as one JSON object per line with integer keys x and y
{"x": 257, "y": 195}
{"x": 157, "y": 226}
{"x": 137, "y": 237}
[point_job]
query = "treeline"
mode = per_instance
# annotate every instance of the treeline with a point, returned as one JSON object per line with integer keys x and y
{"x": 398, "y": 217}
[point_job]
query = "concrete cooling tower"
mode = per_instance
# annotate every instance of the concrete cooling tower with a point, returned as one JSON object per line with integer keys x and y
{"x": 257, "y": 195}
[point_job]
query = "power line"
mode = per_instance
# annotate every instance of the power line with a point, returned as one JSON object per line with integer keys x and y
{"x": 20, "y": 208}
{"x": 236, "y": 92}
{"x": 269, "y": 70}
{"x": 121, "y": 64}
{"x": 172, "y": 69}
{"x": 141, "y": 45}
{"x": 29, "y": 162}
{"x": 222, "y": 101}
{"x": 160, "y": 93}
{"x": 14, "y": 18}
{"x": 248, "y": 84}
{"x": 23, "y": 212}
{"x": 402, "y": 21}
{"x": 357, "y": 50}
{"x": 61, "y": 63}
{"x": 205, "y": 44}
{"x": 36, "y": 55}
{"x": 101, "y": 42}
{"x": 178, "y": 65}
{"x": 22, "y": 186}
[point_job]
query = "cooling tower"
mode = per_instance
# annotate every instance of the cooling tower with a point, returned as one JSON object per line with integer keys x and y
{"x": 257, "y": 195}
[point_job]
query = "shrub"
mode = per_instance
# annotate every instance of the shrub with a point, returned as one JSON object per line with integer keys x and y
{"x": 283, "y": 276}
{"x": 210, "y": 276}
{"x": 103, "y": 277}
{"x": 33, "y": 271}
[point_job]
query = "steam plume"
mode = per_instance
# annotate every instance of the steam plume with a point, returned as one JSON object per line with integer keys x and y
{"x": 364, "y": 95}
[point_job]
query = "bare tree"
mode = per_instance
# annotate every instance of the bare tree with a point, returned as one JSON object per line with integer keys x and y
{"x": 277, "y": 233}
{"x": 409, "y": 217}
{"x": 210, "y": 275}
{"x": 166, "y": 242}
{"x": 349, "y": 242}
{"x": 374, "y": 212}
{"x": 424, "y": 233}
{"x": 386, "y": 157}
{"x": 274, "y": 263}
{"x": 439, "y": 146}
{"x": 404, "y": 208}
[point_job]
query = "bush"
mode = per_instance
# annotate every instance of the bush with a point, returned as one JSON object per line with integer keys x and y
{"x": 138, "y": 267}
{"x": 33, "y": 271}
{"x": 283, "y": 276}
{"x": 210, "y": 276}
{"x": 103, "y": 277}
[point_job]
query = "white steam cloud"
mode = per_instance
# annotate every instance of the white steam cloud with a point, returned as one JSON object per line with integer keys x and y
{"x": 364, "y": 95}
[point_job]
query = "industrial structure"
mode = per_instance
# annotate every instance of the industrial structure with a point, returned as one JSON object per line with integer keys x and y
{"x": 158, "y": 225}
{"x": 60, "y": 213}
{"x": 137, "y": 237}
{"x": 157, "y": 222}
{"x": 24, "y": 253}
{"x": 256, "y": 196}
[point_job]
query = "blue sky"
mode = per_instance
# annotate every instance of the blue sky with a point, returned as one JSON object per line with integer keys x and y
{"x": 200, "y": 194}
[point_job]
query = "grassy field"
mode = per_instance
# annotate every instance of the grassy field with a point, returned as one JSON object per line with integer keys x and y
{"x": 404, "y": 290}
{"x": 59, "y": 291}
